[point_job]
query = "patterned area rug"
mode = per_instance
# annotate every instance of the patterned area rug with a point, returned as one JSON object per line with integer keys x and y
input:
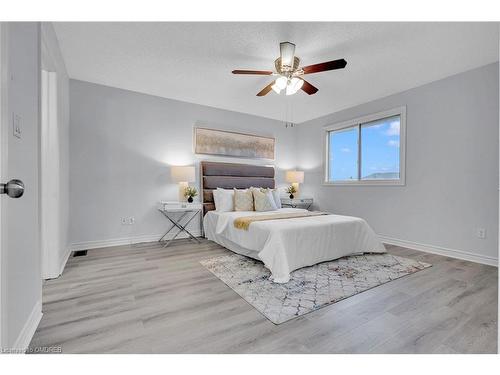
{"x": 309, "y": 288}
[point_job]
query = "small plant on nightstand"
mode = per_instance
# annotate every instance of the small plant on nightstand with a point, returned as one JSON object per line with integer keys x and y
{"x": 190, "y": 192}
{"x": 290, "y": 190}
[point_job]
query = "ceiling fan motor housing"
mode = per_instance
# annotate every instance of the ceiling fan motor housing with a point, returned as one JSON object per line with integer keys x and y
{"x": 286, "y": 70}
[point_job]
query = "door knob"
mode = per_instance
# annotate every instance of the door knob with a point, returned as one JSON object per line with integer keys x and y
{"x": 13, "y": 188}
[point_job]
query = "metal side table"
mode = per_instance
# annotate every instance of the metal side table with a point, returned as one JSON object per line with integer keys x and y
{"x": 187, "y": 211}
{"x": 297, "y": 202}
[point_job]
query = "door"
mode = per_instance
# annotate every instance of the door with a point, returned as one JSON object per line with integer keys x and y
{"x": 20, "y": 277}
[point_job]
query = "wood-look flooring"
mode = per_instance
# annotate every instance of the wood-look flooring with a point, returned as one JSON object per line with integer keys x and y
{"x": 147, "y": 299}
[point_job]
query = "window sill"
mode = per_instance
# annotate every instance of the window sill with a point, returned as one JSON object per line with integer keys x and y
{"x": 366, "y": 183}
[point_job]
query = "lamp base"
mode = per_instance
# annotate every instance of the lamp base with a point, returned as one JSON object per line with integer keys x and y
{"x": 296, "y": 186}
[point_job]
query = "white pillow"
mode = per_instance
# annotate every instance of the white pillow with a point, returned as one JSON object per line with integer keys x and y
{"x": 223, "y": 200}
{"x": 276, "y": 196}
{"x": 263, "y": 200}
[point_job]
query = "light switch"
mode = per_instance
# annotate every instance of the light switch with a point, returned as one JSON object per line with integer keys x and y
{"x": 16, "y": 125}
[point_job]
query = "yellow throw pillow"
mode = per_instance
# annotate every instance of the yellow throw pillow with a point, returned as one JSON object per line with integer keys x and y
{"x": 243, "y": 200}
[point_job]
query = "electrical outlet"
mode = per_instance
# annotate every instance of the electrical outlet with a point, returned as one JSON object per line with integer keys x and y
{"x": 128, "y": 220}
{"x": 481, "y": 233}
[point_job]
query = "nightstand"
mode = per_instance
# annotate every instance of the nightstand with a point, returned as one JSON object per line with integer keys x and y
{"x": 297, "y": 202}
{"x": 187, "y": 211}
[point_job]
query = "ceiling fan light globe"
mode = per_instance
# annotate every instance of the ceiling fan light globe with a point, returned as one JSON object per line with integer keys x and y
{"x": 294, "y": 85}
{"x": 276, "y": 89}
{"x": 290, "y": 90}
{"x": 281, "y": 82}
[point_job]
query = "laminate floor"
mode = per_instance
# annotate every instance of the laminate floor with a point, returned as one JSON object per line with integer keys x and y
{"x": 147, "y": 299}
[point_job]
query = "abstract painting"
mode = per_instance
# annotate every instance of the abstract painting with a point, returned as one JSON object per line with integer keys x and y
{"x": 225, "y": 143}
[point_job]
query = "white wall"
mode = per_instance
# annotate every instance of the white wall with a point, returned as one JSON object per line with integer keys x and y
{"x": 123, "y": 142}
{"x": 121, "y": 146}
{"x": 21, "y": 272}
{"x": 451, "y": 167}
{"x": 52, "y": 61}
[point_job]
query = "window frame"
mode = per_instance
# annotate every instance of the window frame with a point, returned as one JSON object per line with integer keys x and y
{"x": 357, "y": 122}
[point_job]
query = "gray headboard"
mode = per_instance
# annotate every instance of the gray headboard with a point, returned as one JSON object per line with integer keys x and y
{"x": 229, "y": 176}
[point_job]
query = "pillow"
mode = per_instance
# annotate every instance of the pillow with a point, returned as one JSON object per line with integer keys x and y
{"x": 264, "y": 201}
{"x": 243, "y": 200}
{"x": 276, "y": 196}
{"x": 223, "y": 200}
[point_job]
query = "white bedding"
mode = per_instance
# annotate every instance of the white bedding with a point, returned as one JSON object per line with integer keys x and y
{"x": 289, "y": 244}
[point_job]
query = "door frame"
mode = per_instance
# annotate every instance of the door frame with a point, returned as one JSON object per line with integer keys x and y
{"x": 4, "y": 120}
{"x": 49, "y": 173}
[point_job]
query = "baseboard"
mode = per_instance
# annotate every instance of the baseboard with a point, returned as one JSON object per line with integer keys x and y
{"x": 126, "y": 241}
{"x": 23, "y": 340}
{"x": 452, "y": 253}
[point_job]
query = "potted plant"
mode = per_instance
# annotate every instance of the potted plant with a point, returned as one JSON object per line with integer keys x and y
{"x": 290, "y": 190}
{"x": 190, "y": 192}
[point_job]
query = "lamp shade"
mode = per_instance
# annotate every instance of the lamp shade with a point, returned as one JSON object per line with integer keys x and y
{"x": 183, "y": 174}
{"x": 295, "y": 177}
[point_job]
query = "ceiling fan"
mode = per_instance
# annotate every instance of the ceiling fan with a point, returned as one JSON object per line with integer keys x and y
{"x": 290, "y": 75}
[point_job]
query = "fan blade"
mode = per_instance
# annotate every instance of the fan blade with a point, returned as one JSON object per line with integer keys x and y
{"x": 258, "y": 72}
{"x": 266, "y": 89}
{"x": 287, "y": 53}
{"x": 308, "y": 88}
{"x": 323, "y": 67}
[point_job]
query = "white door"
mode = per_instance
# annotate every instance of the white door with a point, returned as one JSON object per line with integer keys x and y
{"x": 2, "y": 75}
{"x": 20, "y": 278}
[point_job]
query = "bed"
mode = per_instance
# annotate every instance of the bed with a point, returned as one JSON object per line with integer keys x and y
{"x": 283, "y": 245}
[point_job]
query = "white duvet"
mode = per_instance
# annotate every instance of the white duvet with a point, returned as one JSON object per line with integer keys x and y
{"x": 288, "y": 244}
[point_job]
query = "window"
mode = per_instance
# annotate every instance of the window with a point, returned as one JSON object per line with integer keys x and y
{"x": 367, "y": 151}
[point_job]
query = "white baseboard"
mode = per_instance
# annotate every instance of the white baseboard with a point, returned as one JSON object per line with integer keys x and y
{"x": 452, "y": 253}
{"x": 23, "y": 340}
{"x": 126, "y": 241}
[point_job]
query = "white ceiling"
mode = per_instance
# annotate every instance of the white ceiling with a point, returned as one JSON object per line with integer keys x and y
{"x": 192, "y": 62}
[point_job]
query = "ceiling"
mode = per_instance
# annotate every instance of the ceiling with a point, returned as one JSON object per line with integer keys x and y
{"x": 192, "y": 62}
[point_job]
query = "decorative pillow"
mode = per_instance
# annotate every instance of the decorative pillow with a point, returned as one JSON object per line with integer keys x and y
{"x": 276, "y": 196}
{"x": 264, "y": 201}
{"x": 243, "y": 200}
{"x": 223, "y": 200}
{"x": 275, "y": 193}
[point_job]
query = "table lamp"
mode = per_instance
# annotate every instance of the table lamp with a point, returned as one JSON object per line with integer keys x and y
{"x": 183, "y": 175}
{"x": 295, "y": 178}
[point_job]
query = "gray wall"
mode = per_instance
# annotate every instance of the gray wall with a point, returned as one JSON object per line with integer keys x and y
{"x": 451, "y": 166}
{"x": 122, "y": 144}
{"x": 21, "y": 272}
{"x": 52, "y": 61}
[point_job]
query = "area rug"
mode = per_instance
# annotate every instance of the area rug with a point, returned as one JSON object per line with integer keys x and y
{"x": 309, "y": 288}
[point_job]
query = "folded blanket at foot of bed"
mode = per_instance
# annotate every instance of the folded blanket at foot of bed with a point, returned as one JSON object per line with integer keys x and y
{"x": 245, "y": 221}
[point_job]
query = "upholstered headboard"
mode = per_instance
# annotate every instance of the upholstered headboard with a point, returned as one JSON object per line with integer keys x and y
{"x": 229, "y": 176}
